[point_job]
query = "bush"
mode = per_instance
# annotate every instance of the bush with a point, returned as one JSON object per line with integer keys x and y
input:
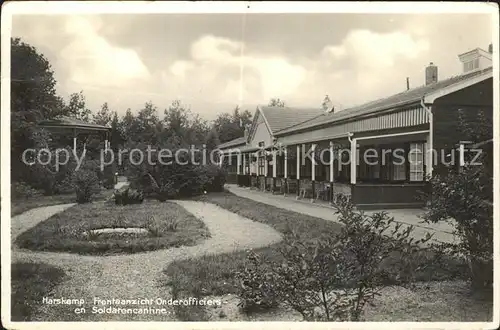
{"x": 256, "y": 292}
{"x": 216, "y": 178}
{"x": 466, "y": 197}
{"x": 333, "y": 278}
{"x": 86, "y": 185}
{"x": 185, "y": 178}
{"x": 126, "y": 196}
{"x": 21, "y": 190}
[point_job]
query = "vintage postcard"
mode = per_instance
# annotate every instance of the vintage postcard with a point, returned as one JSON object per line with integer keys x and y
{"x": 249, "y": 165}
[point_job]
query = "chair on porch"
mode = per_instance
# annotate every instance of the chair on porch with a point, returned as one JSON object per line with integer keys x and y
{"x": 306, "y": 188}
{"x": 291, "y": 186}
{"x": 322, "y": 189}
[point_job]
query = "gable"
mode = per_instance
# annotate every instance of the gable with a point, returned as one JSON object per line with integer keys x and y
{"x": 259, "y": 132}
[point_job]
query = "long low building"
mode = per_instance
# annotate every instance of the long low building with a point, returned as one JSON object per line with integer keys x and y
{"x": 381, "y": 152}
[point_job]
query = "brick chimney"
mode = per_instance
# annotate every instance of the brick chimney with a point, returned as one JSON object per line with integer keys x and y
{"x": 431, "y": 74}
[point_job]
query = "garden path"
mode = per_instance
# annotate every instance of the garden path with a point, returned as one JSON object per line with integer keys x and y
{"x": 134, "y": 276}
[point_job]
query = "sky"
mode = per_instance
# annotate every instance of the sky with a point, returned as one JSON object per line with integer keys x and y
{"x": 213, "y": 62}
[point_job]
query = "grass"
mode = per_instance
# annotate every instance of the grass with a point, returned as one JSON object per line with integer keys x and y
{"x": 22, "y": 205}
{"x": 214, "y": 274}
{"x": 30, "y": 283}
{"x": 168, "y": 225}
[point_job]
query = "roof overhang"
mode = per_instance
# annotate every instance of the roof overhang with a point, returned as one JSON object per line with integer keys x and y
{"x": 79, "y": 127}
{"x": 431, "y": 97}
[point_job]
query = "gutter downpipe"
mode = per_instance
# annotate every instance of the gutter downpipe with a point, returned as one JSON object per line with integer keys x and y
{"x": 430, "y": 147}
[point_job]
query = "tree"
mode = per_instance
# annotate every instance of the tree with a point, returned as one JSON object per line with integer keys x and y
{"x": 33, "y": 98}
{"x": 176, "y": 118}
{"x": 116, "y": 133}
{"x": 127, "y": 125}
{"x": 183, "y": 125}
{"x": 212, "y": 140}
{"x": 77, "y": 107}
{"x": 230, "y": 127}
{"x": 104, "y": 116}
{"x": 146, "y": 121}
{"x": 276, "y": 102}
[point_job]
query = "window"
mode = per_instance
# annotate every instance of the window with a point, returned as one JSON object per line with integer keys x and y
{"x": 261, "y": 166}
{"x": 471, "y": 65}
{"x": 261, "y": 144}
{"x": 399, "y": 165}
{"x": 416, "y": 161}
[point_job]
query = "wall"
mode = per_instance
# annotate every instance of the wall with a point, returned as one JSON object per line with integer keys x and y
{"x": 473, "y": 99}
{"x": 261, "y": 132}
{"x": 387, "y": 195}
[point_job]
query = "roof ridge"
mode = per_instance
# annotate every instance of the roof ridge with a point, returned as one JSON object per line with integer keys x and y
{"x": 302, "y": 122}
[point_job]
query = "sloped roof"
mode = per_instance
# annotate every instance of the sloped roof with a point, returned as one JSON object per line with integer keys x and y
{"x": 280, "y": 118}
{"x": 233, "y": 143}
{"x": 70, "y": 122}
{"x": 398, "y": 100}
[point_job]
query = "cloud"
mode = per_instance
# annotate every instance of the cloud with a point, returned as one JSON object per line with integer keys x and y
{"x": 227, "y": 72}
{"x": 93, "y": 60}
{"x": 377, "y": 51}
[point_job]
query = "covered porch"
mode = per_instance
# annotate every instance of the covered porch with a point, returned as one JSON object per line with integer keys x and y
{"x": 388, "y": 170}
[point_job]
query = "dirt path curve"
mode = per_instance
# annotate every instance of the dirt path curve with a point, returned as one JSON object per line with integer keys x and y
{"x": 135, "y": 276}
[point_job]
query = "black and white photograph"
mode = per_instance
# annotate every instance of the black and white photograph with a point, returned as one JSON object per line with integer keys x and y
{"x": 250, "y": 164}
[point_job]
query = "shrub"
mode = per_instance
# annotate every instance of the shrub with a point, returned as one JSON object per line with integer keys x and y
{"x": 184, "y": 178}
{"x": 127, "y": 196}
{"x": 333, "y": 278}
{"x": 21, "y": 190}
{"x": 256, "y": 292}
{"x": 466, "y": 196}
{"x": 86, "y": 185}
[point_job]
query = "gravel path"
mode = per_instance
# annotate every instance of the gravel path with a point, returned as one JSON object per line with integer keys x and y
{"x": 136, "y": 275}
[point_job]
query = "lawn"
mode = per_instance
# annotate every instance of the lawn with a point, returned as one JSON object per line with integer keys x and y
{"x": 30, "y": 283}
{"x": 22, "y": 205}
{"x": 167, "y": 225}
{"x": 214, "y": 274}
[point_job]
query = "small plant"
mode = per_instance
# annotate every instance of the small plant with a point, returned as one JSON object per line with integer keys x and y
{"x": 331, "y": 278}
{"x": 127, "y": 196}
{"x": 171, "y": 224}
{"x": 255, "y": 286}
{"x": 153, "y": 226}
{"x": 86, "y": 185}
{"x": 91, "y": 234}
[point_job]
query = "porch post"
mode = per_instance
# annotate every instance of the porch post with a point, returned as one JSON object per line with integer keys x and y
{"x": 353, "y": 161}
{"x": 74, "y": 141}
{"x": 298, "y": 171}
{"x": 286, "y": 171}
{"x": 274, "y": 170}
{"x": 106, "y": 142}
{"x": 238, "y": 163}
{"x": 244, "y": 164}
{"x": 313, "y": 171}
{"x": 257, "y": 171}
{"x": 266, "y": 164}
{"x": 330, "y": 197}
{"x": 429, "y": 155}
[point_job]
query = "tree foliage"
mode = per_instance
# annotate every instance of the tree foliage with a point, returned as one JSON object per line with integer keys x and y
{"x": 232, "y": 126}
{"x": 77, "y": 107}
{"x": 104, "y": 116}
{"x": 33, "y": 98}
{"x": 276, "y": 102}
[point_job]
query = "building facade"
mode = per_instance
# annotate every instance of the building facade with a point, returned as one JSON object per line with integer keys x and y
{"x": 380, "y": 153}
